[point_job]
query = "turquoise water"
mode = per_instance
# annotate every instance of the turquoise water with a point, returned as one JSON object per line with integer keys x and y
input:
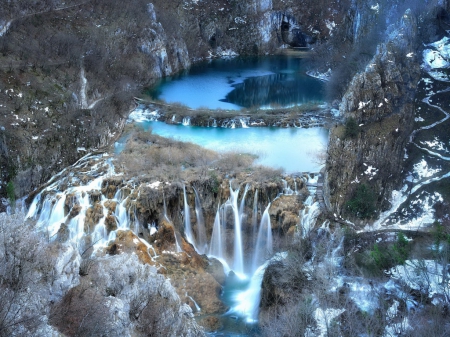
{"x": 241, "y": 82}
{"x": 293, "y": 149}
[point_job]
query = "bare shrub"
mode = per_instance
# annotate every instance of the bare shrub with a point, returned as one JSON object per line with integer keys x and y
{"x": 83, "y": 311}
{"x": 152, "y": 314}
{"x": 163, "y": 158}
{"x": 295, "y": 319}
{"x": 234, "y": 161}
{"x": 24, "y": 263}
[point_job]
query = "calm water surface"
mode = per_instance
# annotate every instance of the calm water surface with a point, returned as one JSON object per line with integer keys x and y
{"x": 241, "y": 82}
{"x": 293, "y": 149}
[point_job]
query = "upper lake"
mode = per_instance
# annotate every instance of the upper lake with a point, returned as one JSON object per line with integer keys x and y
{"x": 241, "y": 82}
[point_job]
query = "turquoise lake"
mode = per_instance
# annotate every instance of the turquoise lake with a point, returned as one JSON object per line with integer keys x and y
{"x": 241, "y": 82}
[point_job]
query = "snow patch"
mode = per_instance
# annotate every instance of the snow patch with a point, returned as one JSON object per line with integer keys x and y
{"x": 427, "y": 276}
{"x": 323, "y": 319}
{"x": 362, "y": 105}
{"x": 434, "y": 60}
{"x": 422, "y": 170}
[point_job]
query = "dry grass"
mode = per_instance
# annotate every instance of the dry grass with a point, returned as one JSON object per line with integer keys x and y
{"x": 152, "y": 157}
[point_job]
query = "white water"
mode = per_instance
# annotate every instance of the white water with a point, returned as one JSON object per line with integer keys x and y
{"x": 49, "y": 207}
{"x": 264, "y": 244}
{"x": 216, "y": 246}
{"x": 187, "y": 221}
{"x": 249, "y": 299}
{"x": 308, "y": 216}
{"x": 238, "y": 263}
{"x": 255, "y": 217}
{"x": 186, "y": 121}
{"x": 202, "y": 243}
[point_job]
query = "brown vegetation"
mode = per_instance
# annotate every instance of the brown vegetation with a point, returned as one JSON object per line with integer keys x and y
{"x": 152, "y": 157}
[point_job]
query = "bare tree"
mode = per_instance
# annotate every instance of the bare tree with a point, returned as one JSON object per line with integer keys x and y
{"x": 24, "y": 263}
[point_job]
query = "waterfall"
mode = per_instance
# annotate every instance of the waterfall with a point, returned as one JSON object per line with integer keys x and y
{"x": 201, "y": 231}
{"x": 264, "y": 245}
{"x": 165, "y": 207}
{"x": 242, "y": 205}
{"x": 255, "y": 218}
{"x": 177, "y": 240}
{"x": 197, "y": 307}
{"x": 287, "y": 190}
{"x": 243, "y": 123}
{"x": 121, "y": 215}
{"x": 248, "y": 300}
{"x": 34, "y": 207}
{"x": 216, "y": 245}
{"x": 238, "y": 263}
{"x": 308, "y": 216}
{"x": 175, "y": 233}
{"x": 186, "y": 121}
{"x": 187, "y": 221}
{"x": 57, "y": 216}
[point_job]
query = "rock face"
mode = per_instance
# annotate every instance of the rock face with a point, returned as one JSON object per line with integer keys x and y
{"x": 381, "y": 102}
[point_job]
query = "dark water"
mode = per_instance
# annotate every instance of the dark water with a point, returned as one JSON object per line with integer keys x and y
{"x": 268, "y": 81}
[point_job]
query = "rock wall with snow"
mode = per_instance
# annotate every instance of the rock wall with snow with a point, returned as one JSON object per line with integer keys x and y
{"x": 381, "y": 101}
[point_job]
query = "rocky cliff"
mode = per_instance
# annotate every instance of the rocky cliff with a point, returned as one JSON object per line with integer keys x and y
{"x": 70, "y": 69}
{"x": 378, "y": 110}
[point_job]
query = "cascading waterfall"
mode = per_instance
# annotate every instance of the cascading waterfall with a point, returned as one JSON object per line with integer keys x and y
{"x": 57, "y": 216}
{"x": 243, "y": 123}
{"x": 242, "y": 205}
{"x": 48, "y": 207}
{"x": 202, "y": 243}
{"x": 255, "y": 218}
{"x": 187, "y": 221}
{"x": 308, "y": 216}
{"x": 248, "y": 300}
{"x": 177, "y": 239}
{"x": 264, "y": 244}
{"x": 186, "y": 121}
{"x": 216, "y": 246}
{"x": 50, "y": 210}
{"x": 165, "y": 207}
{"x": 238, "y": 262}
{"x": 287, "y": 190}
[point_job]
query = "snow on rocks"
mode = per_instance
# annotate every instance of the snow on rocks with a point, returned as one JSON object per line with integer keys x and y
{"x": 434, "y": 60}
{"x": 422, "y": 170}
{"x": 66, "y": 271}
{"x": 324, "y": 318}
{"x": 362, "y": 105}
{"x": 370, "y": 171}
{"x": 435, "y": 144}
{"x": 442, "y": 46}
{"x": 427, "y": 276}
{"x": 437, "y": 58}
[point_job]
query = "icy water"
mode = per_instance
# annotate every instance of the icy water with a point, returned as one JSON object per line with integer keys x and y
{"x": 266, "y": 81}
{"x": 293, "y": 149}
